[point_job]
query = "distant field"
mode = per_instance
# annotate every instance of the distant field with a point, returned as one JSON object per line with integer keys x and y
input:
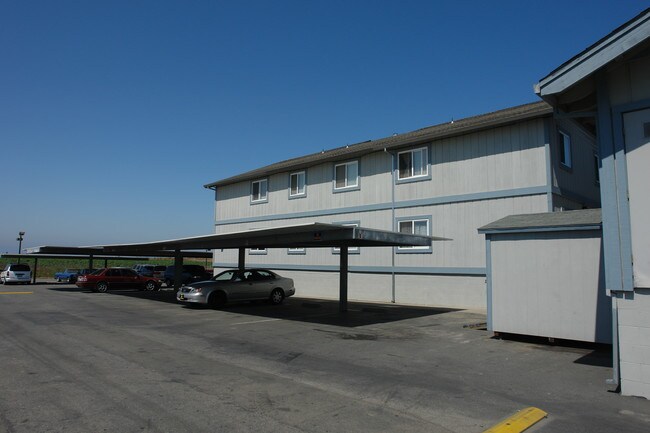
{"x": 47, "y": 267}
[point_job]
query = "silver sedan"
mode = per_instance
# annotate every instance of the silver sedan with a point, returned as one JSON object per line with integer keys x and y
{"x": 235, "y": 285}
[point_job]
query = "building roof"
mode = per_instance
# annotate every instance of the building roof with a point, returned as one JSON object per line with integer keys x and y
{"x": 593, "y": 58}
{"x": 548, "y": 221}
{"x": 420, "y": 136}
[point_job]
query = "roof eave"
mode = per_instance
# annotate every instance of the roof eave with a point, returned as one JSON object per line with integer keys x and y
{"x": 464, "y": 126}
{"x": 596, "y": 57}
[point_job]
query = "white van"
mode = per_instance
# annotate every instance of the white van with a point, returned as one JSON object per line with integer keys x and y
{"x": 16, "y": 273}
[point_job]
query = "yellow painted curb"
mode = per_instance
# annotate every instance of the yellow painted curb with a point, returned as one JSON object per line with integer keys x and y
{"x": 521, "y": 421}
{"x": 16, "y": 293}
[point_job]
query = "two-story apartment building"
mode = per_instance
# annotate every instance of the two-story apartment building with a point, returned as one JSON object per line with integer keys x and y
{"x": 445, "y": 180}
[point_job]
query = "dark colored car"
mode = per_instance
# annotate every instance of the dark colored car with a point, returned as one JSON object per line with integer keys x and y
{"x": 191, "y": 274}
{"x": 145, "y": 270}
{"x": 116, "y": 278}
{"x": 70, "y": 275}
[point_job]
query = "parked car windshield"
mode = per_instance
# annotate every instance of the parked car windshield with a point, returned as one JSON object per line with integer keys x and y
{"x": 224, "y": 276}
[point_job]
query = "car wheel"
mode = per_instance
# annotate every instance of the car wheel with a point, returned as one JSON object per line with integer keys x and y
{"x": 102, "y": 287}
{"x": 217, "y": 299}
{"x": 58, "y": 280}
{"x": 277, "y": 296}
{"x": 169, "y": 283}
{"x": 150, "y": 286}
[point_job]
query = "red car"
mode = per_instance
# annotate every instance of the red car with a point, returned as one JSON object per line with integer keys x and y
{"x": 116, "y": 278}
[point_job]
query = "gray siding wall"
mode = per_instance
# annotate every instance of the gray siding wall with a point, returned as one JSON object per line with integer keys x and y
{"x": 473, "y": 180}
{"x": 576, "y": 187}
{"x": 501, "y": 159}
{"x": 456, "y": 221}
{"x": 629, "y": 83}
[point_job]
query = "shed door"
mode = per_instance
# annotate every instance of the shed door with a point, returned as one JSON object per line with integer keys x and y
{"x": 637, "y": 150}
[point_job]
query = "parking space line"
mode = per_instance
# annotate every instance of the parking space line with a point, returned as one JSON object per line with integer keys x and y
{"x": 519, "y": 422}
{"x": 16, "y": 293}
{"x": 255, "y": 321}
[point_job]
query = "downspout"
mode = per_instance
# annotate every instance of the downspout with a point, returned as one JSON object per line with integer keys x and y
{"x": 392, "y": 216}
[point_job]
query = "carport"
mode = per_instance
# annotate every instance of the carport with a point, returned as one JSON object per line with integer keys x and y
{"x": 37, "y": 256}
{"x": 92, "y": 254}
{"x": 312, "y": 235}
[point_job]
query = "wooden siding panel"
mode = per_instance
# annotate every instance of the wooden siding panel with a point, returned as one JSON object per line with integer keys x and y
{"x": 578, "y": 183}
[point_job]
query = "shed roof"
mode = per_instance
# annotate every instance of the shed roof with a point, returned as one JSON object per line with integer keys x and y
{"x": 547, "y": 221}
{"x": 420, "y": 136}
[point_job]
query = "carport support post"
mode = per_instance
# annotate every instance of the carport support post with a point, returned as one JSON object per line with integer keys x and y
{"x": 35, "y": 269}
{"x": 178, "y": 269}
{"x": 241, "y": 263}
{"x": 90, "y": 261}
{"x": 343, "y": 280}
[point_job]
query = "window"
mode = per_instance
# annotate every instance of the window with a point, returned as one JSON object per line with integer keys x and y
{"x": 414, "y": 226}
{"x": 259, "y": 192}
{"x": 413, "y": 163}
{"x": 564, "y": 141}
{"x": 346, "y": 176}
{"x": 351, "y": 250}
{"x": 597, "y": 167}
{"x": 297, "y": 184}
{"x": 296, "y": 251}
{"x": 259, "y": 251}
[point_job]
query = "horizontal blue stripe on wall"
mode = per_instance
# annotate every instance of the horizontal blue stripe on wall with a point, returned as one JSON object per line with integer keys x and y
{"x": 489, "y": 195}
{"x": 364, "y": 269}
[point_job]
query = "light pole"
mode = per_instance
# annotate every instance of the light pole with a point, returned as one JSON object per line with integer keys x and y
{"x": 20, "y": 243}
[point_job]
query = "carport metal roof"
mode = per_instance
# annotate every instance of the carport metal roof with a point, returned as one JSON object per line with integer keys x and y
{"x": 311, "y": 235}
{"x": 99, "y": 253}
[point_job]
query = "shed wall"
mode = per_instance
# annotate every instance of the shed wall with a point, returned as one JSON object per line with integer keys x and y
{"x": 550, "y": 285}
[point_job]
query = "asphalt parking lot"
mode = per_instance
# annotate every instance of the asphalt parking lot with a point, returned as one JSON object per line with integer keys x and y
{"x": 76, "y": 361}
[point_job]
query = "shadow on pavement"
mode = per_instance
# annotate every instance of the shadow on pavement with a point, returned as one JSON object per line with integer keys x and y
{"x": 321, "y": 311}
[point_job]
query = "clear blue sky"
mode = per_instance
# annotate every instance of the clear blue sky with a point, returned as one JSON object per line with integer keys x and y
{"x": 114, "y": 114}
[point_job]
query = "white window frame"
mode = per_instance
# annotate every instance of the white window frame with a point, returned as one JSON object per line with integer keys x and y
{"x": 260, "y": 199}
{"x": 257, "y": 251}
{"x": 299, "y": 175}
{"x": 413, "y": 221}
{"x": 349, "y": 185}
{"x": 565, "y": 149}
{"x": 424, "y": 151}
{"x": 351, "y": 250}
{"x": 297, "y": 251}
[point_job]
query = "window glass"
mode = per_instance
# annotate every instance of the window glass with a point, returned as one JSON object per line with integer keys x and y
{"x": 565, "y": 149}
{"x": 20, "y": 268}
{"x": 340, "y": 176}
{"x": 265, "y": 275}
{"x": 347, "y": 175}
{"x": 413, "y": 163}
{"x": 414, "y": 227}
{"x": 297, "y": 182}
{"x": 225, "y": 276}
{"x": 259, "y": 190}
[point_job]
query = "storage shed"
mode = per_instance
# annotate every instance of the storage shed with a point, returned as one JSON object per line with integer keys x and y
{"x": 545, "y": 276}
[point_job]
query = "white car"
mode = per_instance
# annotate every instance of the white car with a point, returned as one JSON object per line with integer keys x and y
{"x": 19, "y": 273}
{"x": 235, "y": 285}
